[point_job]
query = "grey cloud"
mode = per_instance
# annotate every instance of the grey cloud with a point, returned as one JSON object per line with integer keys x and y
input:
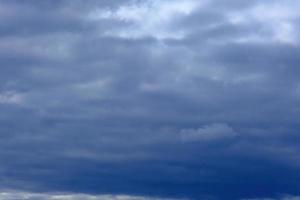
{"x": 209, "y": 132}
{"x": 87, "y": 109}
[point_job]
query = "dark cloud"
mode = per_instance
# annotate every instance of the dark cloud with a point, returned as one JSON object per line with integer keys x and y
{"x": 179, "y": 99}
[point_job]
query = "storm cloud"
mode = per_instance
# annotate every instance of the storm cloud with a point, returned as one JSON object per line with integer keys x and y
{"x": 180, "y": 99}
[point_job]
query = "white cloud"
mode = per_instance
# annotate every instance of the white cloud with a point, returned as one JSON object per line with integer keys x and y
{"x": 150, "y": 18}
{"x": 13, "y": 195}
{"x": 277, "y": 19}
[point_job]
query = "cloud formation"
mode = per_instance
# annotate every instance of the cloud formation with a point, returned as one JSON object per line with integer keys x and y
{"x": 156, "y": 98}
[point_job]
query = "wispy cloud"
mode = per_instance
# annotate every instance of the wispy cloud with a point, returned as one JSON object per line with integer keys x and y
{"x": 39, "y": 196}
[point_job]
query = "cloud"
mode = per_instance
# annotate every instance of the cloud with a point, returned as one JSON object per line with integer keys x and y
{"x": 209, "y": 132}
{"x": 287, "y": 197}
{"x": 10, "y": 98}
{"x": 148, "y": 19}
{"x": 175, "y": 99}
{"x": 277, "y": 19}
{"x": 37, "y": 196}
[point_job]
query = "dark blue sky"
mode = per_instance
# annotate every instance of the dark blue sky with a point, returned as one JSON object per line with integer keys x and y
{"x": 147, "y": 100}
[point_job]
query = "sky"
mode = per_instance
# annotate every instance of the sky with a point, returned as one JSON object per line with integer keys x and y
{"x": 149, "y": 100}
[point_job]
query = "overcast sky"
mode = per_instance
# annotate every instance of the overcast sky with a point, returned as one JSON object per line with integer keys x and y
{"x": 149, "y": 99}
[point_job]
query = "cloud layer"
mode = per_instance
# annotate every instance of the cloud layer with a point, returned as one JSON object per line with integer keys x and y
{"x": 177, "y": 99}
{"x": 13, "y": 195}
